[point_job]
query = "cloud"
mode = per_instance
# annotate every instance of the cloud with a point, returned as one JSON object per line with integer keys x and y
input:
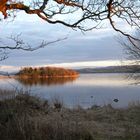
{"x": 94, "y": 64}
{"x": 9, "y": 68}
{"x": 94, "y": 45}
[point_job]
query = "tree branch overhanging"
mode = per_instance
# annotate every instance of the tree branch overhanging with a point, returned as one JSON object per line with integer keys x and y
{"x": 19, "y": 44}
{"x": 86, "y": 12}
{"x": 93, "y": 11}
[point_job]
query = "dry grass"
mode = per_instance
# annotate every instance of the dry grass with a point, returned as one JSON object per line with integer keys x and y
{"x": 29, "y": 118}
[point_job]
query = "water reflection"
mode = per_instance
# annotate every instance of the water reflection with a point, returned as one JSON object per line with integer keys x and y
{"x": 104, "y": 80}
{"x": 86, "y": 90}
{"x": 135, "y": 77}
{"x": 46, "y": 81}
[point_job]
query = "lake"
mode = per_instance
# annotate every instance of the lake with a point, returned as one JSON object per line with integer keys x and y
{"x": 86, "y": 90}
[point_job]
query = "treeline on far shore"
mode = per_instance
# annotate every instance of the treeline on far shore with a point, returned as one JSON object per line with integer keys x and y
{"x": 46, "y": 72}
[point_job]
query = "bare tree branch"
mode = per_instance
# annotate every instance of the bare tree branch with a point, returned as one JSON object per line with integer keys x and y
{"x": 19, "y": 44}
{"x": 93, "y": 11}
{"x": 89, "y": 14}
{"x": 132, "y": 51}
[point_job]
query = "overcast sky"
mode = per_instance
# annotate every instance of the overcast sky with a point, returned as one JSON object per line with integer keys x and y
{"x": 96, "y": 45}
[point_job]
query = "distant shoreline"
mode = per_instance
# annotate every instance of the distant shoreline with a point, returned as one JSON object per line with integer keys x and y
{"x": 62, "y": 72}
{"x": 47, "y": 77}
{"x": 111, "y": 69}
{"x": 66, "y": 76}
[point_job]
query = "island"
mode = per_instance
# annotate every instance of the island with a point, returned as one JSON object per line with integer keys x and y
{"x": 46, "y": 72}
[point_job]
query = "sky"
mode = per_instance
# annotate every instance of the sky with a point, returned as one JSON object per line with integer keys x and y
{"x": 90, "y": 49}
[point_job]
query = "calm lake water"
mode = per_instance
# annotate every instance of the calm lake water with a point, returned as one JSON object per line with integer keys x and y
{"x": 86, "y": 90}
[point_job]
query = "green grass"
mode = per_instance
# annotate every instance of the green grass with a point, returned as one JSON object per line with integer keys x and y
{"x": 25, "y": 117}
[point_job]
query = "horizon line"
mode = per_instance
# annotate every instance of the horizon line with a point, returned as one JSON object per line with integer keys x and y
{"x": 75, "y": 65}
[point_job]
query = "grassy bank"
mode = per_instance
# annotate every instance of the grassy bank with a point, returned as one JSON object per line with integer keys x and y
{"x": 29, "y": 118}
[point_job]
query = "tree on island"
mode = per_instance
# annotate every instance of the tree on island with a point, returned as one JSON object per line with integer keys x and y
{"x": 90, "y": 14}
{"x": 46, "y": 72}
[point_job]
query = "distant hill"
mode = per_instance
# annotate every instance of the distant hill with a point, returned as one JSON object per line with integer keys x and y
{"x": 112, "y": 69}
{"x": 2, "y": 73}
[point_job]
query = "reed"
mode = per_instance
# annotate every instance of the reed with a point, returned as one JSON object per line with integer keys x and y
{"x": 27, "y": 117}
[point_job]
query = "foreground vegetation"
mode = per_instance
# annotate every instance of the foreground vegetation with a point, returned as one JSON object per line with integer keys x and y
{"x": 25, "y": 117}
{"x": 46, "y": 72}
